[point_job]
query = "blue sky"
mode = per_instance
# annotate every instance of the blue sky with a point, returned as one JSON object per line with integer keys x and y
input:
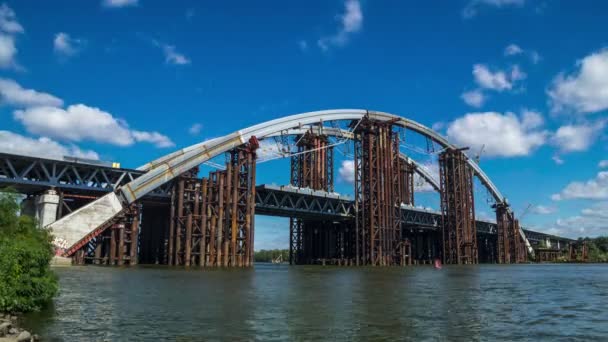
{"x": 131, "y": 80}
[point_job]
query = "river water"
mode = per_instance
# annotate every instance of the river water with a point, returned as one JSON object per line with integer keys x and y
{"x": 314, "y": 303}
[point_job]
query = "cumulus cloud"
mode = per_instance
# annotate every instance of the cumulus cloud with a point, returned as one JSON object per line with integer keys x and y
{"x": 347, "y": 171}
{"x": 159, "y": 140}
{"x": 474, "y": 98}
{"x": 80, "y": 122}
{"x": 13, "y": 94}
{"x": 504, "y": 135}
{"x": 351, "y": 21}
{"x": 271, "y": 149}
{"x": 195, "y": 129}
{"x": 119, "y": 3}
{"x": 42, "y": 147}
{"x": 473, "y": 6}
{"x": 543, "y": 210}
{"x": 591, "y": 222}
{"x": 8, "y": 20}
{"x": 558, "y": 160}
{"x": 498, "y": 80}
{"x": 586, "y": 89}
{"x": 420, "y": 184}
{"x": 594, "y": 189}
{"x": 171, "y": 54}
{"x": 513, "y": 49}
{"x": 9, "y": 28}
{"x": 66, "y": 46}
{"x": 603, "y": 164}
{"x": 577, "y": 138}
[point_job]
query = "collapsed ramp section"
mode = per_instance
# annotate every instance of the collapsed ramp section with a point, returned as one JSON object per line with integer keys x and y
{"x": 80, "y": 226}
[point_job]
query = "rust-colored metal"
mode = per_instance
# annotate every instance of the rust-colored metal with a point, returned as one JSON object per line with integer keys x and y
{"x": 378, "y": 195}
{"x": 510, "y": 246}
{"x": 213, "y": 217}
{"x": 457, "y": 208}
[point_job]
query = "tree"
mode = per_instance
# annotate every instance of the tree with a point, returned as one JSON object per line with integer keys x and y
{"x": 26, "y": 281}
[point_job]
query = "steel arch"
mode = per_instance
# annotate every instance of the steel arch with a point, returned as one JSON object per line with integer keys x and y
{"x": 172, "y": 165}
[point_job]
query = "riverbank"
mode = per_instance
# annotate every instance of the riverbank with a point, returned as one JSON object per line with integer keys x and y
{"x": 11, "y": 332}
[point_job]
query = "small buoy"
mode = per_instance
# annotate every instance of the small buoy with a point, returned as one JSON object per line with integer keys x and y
{"x": 437, "y": 264}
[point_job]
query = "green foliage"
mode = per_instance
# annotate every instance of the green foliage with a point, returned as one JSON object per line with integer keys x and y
{"x": 26, "y": 280}
{"x": 267, "y": 255}
{"x": 597, "y": 248}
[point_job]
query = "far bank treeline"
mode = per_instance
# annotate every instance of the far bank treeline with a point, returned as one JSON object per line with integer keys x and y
{"x": 268, "y": 255}
{"x": 598, "y": 248}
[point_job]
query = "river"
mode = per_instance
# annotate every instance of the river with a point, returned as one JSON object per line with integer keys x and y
{"x": 314, "y": 303}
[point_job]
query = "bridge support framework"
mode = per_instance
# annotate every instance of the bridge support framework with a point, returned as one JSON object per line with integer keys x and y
{"x": 457, "y": 209}
{"x": 212, "y": 220}
{"x": 378, "y": 231}
{"x": 510, "y": 245}
{"x": 117, "y": 245}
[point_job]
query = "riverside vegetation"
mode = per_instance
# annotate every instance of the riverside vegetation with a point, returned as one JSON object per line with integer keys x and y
{"x": 27, "y": 282}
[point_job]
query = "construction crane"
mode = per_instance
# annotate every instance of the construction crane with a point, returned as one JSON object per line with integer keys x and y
{"x": 478, "y": 155}
{"x": 525, "y": 212}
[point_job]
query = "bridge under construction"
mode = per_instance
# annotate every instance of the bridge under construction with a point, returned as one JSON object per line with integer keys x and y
{"x": 168, "y": 212}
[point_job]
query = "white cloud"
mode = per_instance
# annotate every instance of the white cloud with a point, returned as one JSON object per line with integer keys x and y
{"x": 9, "y": 28}
{"x": 591, "y": 222}
{"x": 271, "y": 149}
{"x": 535, "y": 57}
{"x": 42, "y": 147}
{"x": 8, "y": 20}
{"x": 351, "y": 21}
{"x": 195, "y": 129}
{"x": 504, "y": 135}
{"x": 13, "y": 94}
{"x": 119, "y": 3}
{"x": 171, "y": 55}
{"x": 66, "y": 46}
{"x": 80, "y": 122}
{"x": 513, "y": 49}
{"x": 474, "y": 98}
{"x": 543, "y": 210}
{"x": 438, "y": 126}
{"x": 347, "y": 171}
{"x": 585, "y": 90}
{"x": 420, "y": 184}
{"x": 497, "y": 80}
{"x": 596, "y": 188}
{"x": 558, "y": 160}
{"x": 8, "y": 51}
{"x": 603, "y": 164}
{"x": 516, "y": 50}
{"x": 159, "y": 140}
{"x": 577, "y": 138}
{"x": 473, "y": 6}
{"x": 531, "y": 119}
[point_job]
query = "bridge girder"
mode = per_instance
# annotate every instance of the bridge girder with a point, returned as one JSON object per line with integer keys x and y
{"x": 168, "y": 167}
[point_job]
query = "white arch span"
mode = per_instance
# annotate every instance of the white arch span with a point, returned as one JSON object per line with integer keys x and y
{"x": 82, "y": 223}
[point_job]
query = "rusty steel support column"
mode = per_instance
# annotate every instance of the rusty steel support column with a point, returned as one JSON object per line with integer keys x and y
{"x": 458, "y": 209}
{"x": 510, "y": 246}
{"x": 376, "y": 197}
{"x": 134, "y": 236}
{"x": 311, "y": 167}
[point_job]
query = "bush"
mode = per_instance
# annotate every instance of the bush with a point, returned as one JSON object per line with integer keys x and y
{"x": 26, "y": 280}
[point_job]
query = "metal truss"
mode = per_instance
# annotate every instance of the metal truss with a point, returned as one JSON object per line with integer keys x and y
{"x": 30, "y": 175}
{"x": 289, "y": 201}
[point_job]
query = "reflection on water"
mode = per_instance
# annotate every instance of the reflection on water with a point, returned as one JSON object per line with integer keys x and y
{"x": 278, "y": 302}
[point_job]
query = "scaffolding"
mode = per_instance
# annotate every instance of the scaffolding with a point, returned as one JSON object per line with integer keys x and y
{"x": 457, "y": 208}
{"x": 212, "y": 219}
